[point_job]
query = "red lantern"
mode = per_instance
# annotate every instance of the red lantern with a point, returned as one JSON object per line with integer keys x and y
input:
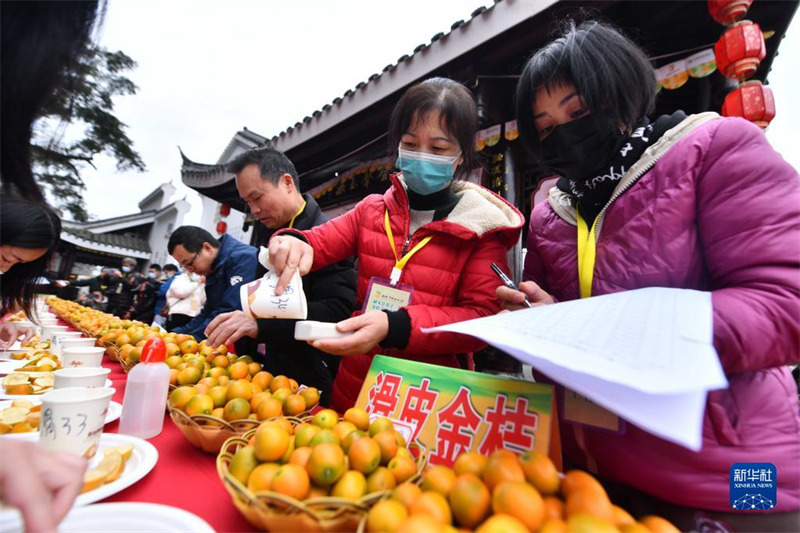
{"x": 222, "y": 227}
{"x": 739, "y": 51}
{"x": 753, "y": 101}
{"x": 727, "y": 12}
{"x": 224, "y": 210}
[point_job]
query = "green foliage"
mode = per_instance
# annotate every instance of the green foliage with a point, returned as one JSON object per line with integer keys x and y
{"x": 80, "y": 124}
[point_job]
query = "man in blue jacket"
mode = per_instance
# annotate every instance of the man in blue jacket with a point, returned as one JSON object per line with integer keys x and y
{"x": 226, "y": 263}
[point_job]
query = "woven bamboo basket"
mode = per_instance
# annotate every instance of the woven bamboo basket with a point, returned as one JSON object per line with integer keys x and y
{"x": 270, "y": 511}
{"x": 209, "y": 432}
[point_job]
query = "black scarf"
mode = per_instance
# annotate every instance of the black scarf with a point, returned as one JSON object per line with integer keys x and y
{"x": 593, "y": 194}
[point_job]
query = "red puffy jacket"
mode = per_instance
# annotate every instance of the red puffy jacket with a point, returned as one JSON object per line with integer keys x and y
{"x": 451, "y": 275}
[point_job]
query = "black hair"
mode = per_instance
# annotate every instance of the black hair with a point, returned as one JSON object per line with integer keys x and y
{"x": 457, "y": 112}
{"x": 169, "y": 267}
{"x": 155, "y": 265}
{"x": 272, "y": 164}
{"x": 41, "y": 42}
{"x": 26, "y": 224}
{"x": 608, "y": 70}
{"x": 191, "y": 238}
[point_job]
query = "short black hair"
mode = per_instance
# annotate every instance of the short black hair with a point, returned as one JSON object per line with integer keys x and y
{"x": 608, "y": 70}
{"x": 191, "y": 238}
{"x": 155, "y": 265}
{"x": 169, "y": 267}
{"x": 271, "y": 163}
{"x": 457, "y": 112}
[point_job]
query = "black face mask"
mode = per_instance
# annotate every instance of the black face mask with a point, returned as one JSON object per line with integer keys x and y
{"x": 578, "y": 150}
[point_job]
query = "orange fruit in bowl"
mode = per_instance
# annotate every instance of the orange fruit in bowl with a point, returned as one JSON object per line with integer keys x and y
{"x": 343, "y": 428}
{"x": 502, "y": 523}
{"x": 220, "y": 361}
{"x": 294, "y": 405}
{"x": 238, "y": 370}
{"x": 254, "y": 368}
{"x": 380, "y": 424}
{"x": 554, "y": 525}
{"x": 200, "y": 404}
{"x": 240, "y": 389}
{"x": 656, "y": 524}
{"x": 586, "y": 523}
{"x": 326, "y": 464}
{"x": 279, "y": 382}
{"x": 181, "y": 396}
{"x": 352, "y": 486}
{"x": 589, "y": 501}
{"x": 173, "y": 349}
{"x": 387, "y": 444}
{"x": 310, "y": 395}
{"x": 236, "y": 409}
{"x": 188, "y": 346}
{"x": 324, "y": 436}
{"x": 406, "y": 493}
{"x": 579, "y": 480}
{"x": 470, "y": 463}
{"x": 300, "y": 455}
{"x": 470, "y": 500}
{"x": 439, "y": 478}
{"x": 350, "y": 438}
{"x": 326, "y": 419}
{"x": 433, "y": 504}
{"x": 243, "y": 463}
{"x": 422, "y": 523}
{"x": 291, "y": 480}
{"x": 553, "y": 508}
{"x": 380, "y": 480}
{"x": 386, "y": 516}
{"x": 636, "y": 527}
{"x": 188, "y": 376}
{"x": 364, "y": 455}
{"x": 402, "y": 467}
{"x": 271, "y": 442}
{"x": 257, "y": 398}
{"x": 173, "y": 361}
{"x": 262, "y": 379}
{"x": 540, "y": 472}
{"x": 173, "y": 377}
{"x": 269, "y": 408}
{"x": 358, "y": 417}
{"x": 304, "y": 433}
{"x": 521, "y": 501}
{"x": 261, "y": 477}
{"x": 502, "y": 467}
{"x": 621, "y": 516}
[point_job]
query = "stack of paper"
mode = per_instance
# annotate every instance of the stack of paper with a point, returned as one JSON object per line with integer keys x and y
{"x": 647, "y": 355}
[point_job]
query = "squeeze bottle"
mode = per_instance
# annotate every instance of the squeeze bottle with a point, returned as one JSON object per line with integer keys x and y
{"x": 146, "y": 393}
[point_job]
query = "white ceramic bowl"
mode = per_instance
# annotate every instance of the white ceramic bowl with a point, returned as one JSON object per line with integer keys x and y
{"x": 90, "y": 377}
{"x": 86, "y": 356}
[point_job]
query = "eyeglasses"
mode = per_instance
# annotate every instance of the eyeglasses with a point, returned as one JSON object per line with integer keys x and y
{"x": 190, "y": 264}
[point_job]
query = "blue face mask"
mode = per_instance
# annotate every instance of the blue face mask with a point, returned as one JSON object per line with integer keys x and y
{"x": 426, "y": 173}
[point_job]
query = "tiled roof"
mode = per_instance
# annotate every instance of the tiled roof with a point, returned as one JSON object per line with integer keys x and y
{"x": 111, "y": 239}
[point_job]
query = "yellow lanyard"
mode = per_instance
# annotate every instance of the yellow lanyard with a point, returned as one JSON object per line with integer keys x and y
{"x": 291, "y": 224}
{"x": 400, "y": 262}
{"x": 587, "y": 248}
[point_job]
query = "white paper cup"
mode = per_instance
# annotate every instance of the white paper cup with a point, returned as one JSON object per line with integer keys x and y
{"x": 48, "y": 331}
{"x": 83, "y": 356}
{"x": 259, "y": 300}
{"x": 90, "y": 377}
{"x": 73, "y": 418}
{"x": 59, "y": 344}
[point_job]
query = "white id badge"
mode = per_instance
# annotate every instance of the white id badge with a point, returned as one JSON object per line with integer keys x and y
{"x": 383, "y": 296}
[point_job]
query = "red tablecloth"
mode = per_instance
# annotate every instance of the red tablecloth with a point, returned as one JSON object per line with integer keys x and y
{"x": 184, "y": 476}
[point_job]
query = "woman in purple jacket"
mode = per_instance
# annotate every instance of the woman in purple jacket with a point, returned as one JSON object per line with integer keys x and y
{"x": 696, "y": 202}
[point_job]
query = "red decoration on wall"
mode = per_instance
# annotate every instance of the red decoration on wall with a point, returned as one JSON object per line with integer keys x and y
{"x": 222, "y": 227}
{"x": 224, "y": 210}
{"x": 753, "y": 101}
{"x": 740, "y": 49}
{"x": 728, "y": 12}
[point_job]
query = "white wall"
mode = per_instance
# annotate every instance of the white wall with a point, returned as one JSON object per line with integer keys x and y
{"x": 163, "y": 226}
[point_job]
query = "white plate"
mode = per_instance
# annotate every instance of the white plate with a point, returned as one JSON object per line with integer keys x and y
{"x": 129, "y": 517}
{"x": 114, "y": 411}
{"x": 3, "y": 396}
{"x": 141, "y": 462}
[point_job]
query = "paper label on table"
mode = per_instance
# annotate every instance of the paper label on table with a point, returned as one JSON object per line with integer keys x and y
{"x": 647, "y": 355}
{"x": 450, "y": 411}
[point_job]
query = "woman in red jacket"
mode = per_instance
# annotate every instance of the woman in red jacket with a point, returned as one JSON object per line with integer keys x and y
{"x": 424, "y": 247}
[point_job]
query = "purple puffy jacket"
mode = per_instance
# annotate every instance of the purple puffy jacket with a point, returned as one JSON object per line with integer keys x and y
{"x": 718, "y": 211}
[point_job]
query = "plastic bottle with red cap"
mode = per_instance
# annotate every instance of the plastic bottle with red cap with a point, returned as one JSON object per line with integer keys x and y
{"x": 146, "y": 393}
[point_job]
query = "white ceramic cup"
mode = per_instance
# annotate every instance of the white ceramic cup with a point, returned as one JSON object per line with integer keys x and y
{"x": 81, "y": 356}
{"x": 48, "y": 331}
{"x": 88, "y": 376}
{"x": 73, "y": 418}
{"x": 58, "y": 345}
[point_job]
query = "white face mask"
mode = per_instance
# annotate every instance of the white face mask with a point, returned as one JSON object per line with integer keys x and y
{"x": 126, "y": 269}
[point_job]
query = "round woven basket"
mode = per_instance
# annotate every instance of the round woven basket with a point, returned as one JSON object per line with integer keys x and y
{"x": 270, "y": 511}
{"x": 209, "y": 432}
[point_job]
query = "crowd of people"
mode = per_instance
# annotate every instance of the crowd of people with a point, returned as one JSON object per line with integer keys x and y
{"x": 686, "y": 201}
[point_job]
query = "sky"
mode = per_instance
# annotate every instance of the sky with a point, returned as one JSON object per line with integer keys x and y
{"x": 208, "y": 68}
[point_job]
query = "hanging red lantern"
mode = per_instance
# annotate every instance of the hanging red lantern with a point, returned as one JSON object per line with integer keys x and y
{"x": 739, "y": 51}
{"x": 222, "y": 227}
{"x": 728, "y": 12}
{"x": 752, "y": 101}
{"x": 224, "y": 210}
